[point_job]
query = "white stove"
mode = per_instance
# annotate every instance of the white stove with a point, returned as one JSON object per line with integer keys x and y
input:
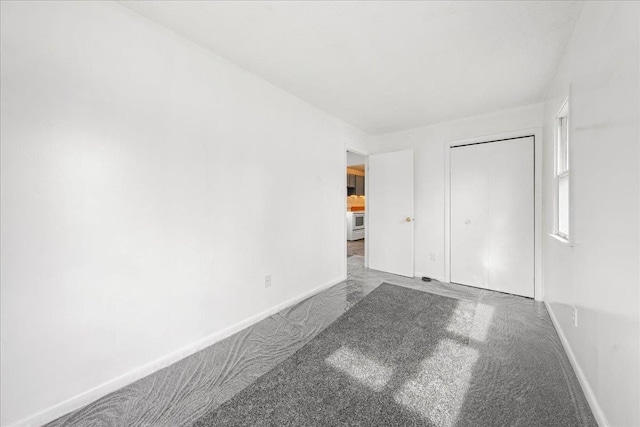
{"x": 355, "y": 225}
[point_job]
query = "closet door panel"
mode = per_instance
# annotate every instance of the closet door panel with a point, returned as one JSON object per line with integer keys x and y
{"x": 492, "y": 215}
{"x": 511, "y": 216}
{"x": 469, "y": 215}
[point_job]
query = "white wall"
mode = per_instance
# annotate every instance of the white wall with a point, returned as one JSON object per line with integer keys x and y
{"x": 429, "y": 145}
{"x": 145, "y": 193}
{"x": 599, "y": 275}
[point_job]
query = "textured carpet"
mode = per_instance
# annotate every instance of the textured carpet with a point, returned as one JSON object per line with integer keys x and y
{"x": 406, "y": 357}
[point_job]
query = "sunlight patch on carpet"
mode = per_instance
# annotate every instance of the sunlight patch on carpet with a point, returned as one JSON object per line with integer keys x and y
{"x": 471, "y": 320}
{"x": 437, "y": 391}
{"x": 481, "y": 322}
{"x": 365, "y": 370}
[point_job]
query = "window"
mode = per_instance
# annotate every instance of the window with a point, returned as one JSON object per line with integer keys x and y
{"x": 562, "y": 172}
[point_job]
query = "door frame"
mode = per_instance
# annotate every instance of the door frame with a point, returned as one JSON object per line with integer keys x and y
{"x": 344, "y": 205}
{"x": 538, "y": 291}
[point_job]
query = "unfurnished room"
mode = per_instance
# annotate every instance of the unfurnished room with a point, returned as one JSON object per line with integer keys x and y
{"x": 319, "y": 213}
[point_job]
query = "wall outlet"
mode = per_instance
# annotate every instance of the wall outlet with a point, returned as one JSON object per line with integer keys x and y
{"x": 432, "y": 256}
{"x": 267, "y": 281}
{"x": 575, "y": 316}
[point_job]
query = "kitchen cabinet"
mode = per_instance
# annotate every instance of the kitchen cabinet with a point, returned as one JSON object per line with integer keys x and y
{"x": 359, "y": 185}
{"x": 355, "y": 185}
{"x": 351, "y": 181}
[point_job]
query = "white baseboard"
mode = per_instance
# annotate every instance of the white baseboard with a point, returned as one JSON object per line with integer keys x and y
{"x": 130, "y": 377}
{"x": 584, "y": 383}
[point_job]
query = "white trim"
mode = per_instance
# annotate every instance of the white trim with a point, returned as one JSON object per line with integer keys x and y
{"x": 584, "y": 383}
{"x": 130, "y": 377}
{"x": 366, "y": 210}
{"x": 537, "y": 134}
{"x": 344, "y": 209}
{"x": 563, "y": 111}
{"x": 560, "y": 239}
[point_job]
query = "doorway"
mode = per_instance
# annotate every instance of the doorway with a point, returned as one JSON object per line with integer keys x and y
{"x": 381, "y": 223}
{"x": 356, "y": 204}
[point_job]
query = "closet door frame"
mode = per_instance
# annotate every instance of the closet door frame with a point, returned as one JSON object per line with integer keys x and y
{"x": 536, "y": 133}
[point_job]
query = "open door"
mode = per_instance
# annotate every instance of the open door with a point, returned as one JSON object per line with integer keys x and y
{"x": 390, "y": 212}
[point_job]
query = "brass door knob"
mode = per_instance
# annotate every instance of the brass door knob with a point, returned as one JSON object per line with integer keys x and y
{"x": 408, "y": 219}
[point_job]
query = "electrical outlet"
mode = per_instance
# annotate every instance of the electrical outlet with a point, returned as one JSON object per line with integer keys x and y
{"x": 267, "y": 281}
{"x": 432, "y": 256}
{"x": 575, "y": 316}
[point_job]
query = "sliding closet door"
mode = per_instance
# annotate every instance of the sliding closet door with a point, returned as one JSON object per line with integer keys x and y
{"x": 492, "y": 215}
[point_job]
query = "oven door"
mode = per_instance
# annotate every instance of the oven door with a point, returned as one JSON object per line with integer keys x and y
{"x": 358, "y": 221}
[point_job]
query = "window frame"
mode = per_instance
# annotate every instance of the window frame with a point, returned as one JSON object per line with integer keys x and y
{"x": 562, "y": 173}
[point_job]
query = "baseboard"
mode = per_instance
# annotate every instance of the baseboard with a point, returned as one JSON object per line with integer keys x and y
{"x": 132, "y": 376}
{"x": 584, "y": 383}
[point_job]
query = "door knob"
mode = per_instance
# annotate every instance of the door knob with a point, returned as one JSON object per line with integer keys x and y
{"x": 408, "y": 219}
{"x": 467, "y": 222}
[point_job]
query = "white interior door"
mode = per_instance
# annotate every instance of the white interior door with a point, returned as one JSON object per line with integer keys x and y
{"x": 469, "y": 215}
{"x": 390, "y": 212}
{"x": 492, "y": 215}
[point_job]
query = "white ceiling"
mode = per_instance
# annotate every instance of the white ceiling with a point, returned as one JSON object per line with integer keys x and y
{"x": 385, "y": 66}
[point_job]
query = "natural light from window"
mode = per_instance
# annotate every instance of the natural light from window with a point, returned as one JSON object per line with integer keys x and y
{"x": 438, "y": 387}
{"x": 437, "y": 392}
{"x": 367, "y": 371}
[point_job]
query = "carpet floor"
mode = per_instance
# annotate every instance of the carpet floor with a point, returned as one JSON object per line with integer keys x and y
{"x": 406, "y": 357}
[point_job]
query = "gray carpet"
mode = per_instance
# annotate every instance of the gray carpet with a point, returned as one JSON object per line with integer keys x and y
{"x": 407, "y": 357}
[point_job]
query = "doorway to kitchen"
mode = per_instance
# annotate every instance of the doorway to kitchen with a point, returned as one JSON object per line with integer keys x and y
{"x": 356, "y": 204}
